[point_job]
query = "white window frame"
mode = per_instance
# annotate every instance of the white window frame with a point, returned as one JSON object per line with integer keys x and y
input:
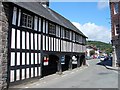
{"x": 116, "y": 10}
{"x": 35, "y": 23}
{"x": 14, "y": 16}
{"x": 115, "y": 28}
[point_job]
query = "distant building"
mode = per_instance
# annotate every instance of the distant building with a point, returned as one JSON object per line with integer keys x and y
{"x": 91, "y": 48}
{"x": 115, "y": 31}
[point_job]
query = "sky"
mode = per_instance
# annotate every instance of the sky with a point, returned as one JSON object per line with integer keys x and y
{"x": 92, "y": 18}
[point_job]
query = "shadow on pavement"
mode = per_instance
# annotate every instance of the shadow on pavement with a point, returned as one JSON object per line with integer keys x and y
{"x": 105, "y": 63}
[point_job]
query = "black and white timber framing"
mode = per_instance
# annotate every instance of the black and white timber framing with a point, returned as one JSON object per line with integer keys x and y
{"x": 35, "y": 33}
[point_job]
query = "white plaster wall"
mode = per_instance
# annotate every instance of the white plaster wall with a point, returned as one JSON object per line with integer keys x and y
{"x": 19, "y": 17}
{"x": 18, "y": 39}
{"x": 35, "y": 23}
{"x": 47, "y": 43}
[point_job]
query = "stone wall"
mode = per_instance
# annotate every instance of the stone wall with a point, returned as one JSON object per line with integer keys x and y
{"x": 118, "y": 55}
{"x": 3, "y": 44}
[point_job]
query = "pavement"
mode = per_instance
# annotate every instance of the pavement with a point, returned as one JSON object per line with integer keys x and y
{"x": 113, "y": 68}
{"x": 48, "y": 78}
{"x": 108, "y": 65}
{"x": 93, "y": 76}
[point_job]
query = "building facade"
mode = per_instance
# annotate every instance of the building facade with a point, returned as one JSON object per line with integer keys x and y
{"x": 36, "y": 41}
{"x": 94, "y": 49}
{"x": 115, "y": 31}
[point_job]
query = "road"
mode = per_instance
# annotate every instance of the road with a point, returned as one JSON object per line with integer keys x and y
{"x": 93, "y": 76}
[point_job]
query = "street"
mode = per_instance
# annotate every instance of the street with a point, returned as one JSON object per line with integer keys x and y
{"x": 93, "y": 76}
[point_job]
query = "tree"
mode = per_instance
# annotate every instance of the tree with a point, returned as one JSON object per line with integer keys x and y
{"x": 92, "y": 52}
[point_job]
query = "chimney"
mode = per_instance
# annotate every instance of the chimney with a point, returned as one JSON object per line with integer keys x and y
{"x": 45, "y": 3}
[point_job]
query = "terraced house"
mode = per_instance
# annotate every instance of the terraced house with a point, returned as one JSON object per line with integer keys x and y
{"x": 115, "y": 30}
{"x": 37, "y": 41}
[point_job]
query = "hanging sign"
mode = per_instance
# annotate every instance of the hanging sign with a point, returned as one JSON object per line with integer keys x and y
{"x": 74, "y": 60}
{"x": 63, "y": 60}
{"x": 46, "y": 61}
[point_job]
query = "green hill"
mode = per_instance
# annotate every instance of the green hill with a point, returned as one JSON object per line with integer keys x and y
{"x": 101, "y": 45}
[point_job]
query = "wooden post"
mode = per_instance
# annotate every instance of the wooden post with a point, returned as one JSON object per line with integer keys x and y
{"x": 78, "y": 61}
{"x": 70, "y": 63}
{"x": 59, "y": 65}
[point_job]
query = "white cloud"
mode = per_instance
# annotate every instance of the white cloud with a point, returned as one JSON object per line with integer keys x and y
{"x": 102, "y": 4}
{"x": 94, "y": 32}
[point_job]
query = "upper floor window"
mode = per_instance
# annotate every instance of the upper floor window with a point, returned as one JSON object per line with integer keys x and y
{"x": 116, "y": 8}
{"x": 27, "y": 20}
{"x": 116, "y": 29}
{"x": 73, "y": 36}
{"x": 77, "y": 38}
{"x": 83, "y": 40}
{"x": 67, "y": 34}
{"x": 51, "y": 29}
{"x": 57, "y": 31}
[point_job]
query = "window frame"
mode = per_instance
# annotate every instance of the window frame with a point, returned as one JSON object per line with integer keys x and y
{"x": 29, "y": 17}
{"x": 52, "y": 28}
{"x": 67, "y": 34}
{"x": 77, "y": 38}
{"x": 116, "y": 8}
{"x": 116, "y": 28}
{"x": 73, "y": 36}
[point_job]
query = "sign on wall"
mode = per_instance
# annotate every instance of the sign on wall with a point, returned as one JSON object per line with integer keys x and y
{"x": 63, "y": 60}
{"x": 74, "y": 60}
{"x": 46, "y": 60}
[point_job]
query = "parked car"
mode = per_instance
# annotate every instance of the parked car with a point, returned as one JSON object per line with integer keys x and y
{"x": 102, "y": 58}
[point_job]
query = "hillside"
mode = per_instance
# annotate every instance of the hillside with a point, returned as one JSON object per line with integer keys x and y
{"x": 101, "y": 45}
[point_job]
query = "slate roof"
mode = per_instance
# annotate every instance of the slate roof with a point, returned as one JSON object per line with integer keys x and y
{"x": 49, "y": 14}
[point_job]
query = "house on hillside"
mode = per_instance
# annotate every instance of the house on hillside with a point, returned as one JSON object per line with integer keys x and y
{"x": 92, "y": 51}
{"x": 36, "y": 41}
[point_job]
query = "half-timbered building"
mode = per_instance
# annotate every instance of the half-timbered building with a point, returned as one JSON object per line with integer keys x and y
{"x": 40, "y": 42}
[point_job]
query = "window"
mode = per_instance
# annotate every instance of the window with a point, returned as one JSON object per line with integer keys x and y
{"x": 83, "y": 40}
{"x": 80, "y": 39}
{"x": 73, "y": 36}
{"x": 116, "y": 8}
{"x": 27, "y": 20}
{"x": 62, "y": 32}
{"x": 116, "y": 28}
{"x": 70, "y": 35}
{"x": 57, "y": 31}
{"x": 77, "y": 38}
{"x": 14, "y": 16}
{"x": 51, "y": 29}
{"x": 67, "y": 34}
